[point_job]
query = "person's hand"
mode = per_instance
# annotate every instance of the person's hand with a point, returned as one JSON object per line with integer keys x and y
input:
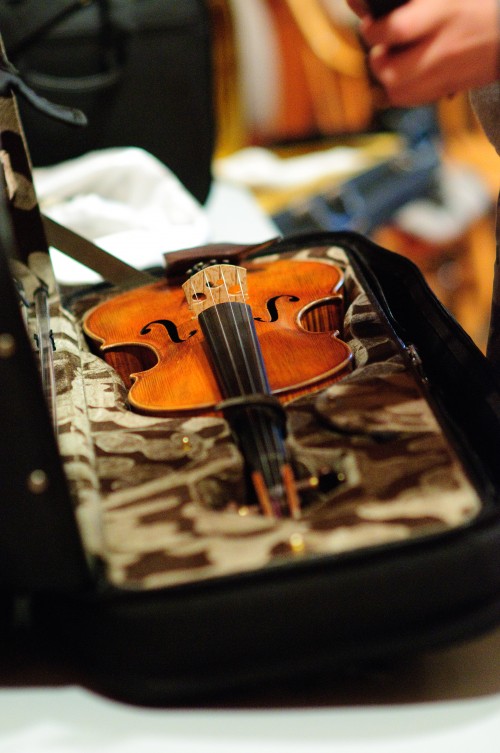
{"x": 358, "y": 6}
{"x": 428, "y": 49}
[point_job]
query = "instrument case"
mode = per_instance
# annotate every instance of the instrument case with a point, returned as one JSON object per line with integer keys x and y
{"x": 116, "y": 545}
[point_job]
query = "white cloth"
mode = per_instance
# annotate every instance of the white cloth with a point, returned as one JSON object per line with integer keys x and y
{"x": 257, "y": 167}
{"x": 124, "y": 200}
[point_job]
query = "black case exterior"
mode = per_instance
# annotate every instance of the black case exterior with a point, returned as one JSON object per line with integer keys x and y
{"x": 330, "y": 613}
{"x": 143, "y": 77}
{"x": 40, "y": 548}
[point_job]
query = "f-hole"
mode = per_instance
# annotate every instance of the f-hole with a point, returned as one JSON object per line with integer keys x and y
{"x": 272, "y": 308}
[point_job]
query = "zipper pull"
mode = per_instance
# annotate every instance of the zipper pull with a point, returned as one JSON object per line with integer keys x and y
{"x": 415, "y": 361}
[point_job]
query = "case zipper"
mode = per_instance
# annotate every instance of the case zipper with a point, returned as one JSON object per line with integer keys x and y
{"x": 413, "y": 358}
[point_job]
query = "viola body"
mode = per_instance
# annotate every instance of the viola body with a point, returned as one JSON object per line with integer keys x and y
{"x": 153, "y": 339}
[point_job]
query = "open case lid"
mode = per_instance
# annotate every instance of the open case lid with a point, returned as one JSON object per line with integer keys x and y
{"x": 39, "y": 542}
{"x": 40, "y": 546}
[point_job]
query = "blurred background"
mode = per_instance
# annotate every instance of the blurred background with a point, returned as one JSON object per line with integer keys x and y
{"x": 272, "y": 97}
{"x": 291, "y": 82}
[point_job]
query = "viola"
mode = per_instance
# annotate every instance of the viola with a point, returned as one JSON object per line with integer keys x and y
{"x": 242, "y": 340}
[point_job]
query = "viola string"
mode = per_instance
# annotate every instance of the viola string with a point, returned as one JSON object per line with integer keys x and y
{"x": 258, "y": 426}
{"x": 266, "y": 438}
{"x": 221, "y": 328}
{"x": 242, "y": 350}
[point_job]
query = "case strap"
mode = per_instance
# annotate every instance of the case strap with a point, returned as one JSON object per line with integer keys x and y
{"x": 11, "y": 80}
{"x": 84, "y": 251}
{"x": 22, "y": 200}
{"x": 178, "y": 264}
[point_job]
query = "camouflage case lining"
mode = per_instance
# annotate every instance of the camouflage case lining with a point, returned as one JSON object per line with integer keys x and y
{"x": 148, "y": 491}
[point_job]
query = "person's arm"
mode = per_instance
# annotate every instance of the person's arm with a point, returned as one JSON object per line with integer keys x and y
{"x": 428, "y": 49}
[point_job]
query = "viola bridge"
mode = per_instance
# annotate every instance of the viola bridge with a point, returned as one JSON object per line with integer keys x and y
{"x": 216, "y": 284}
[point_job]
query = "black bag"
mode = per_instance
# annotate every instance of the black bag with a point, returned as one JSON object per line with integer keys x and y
{"x": 118, "y": 547}
{"x": 140, "y": 71}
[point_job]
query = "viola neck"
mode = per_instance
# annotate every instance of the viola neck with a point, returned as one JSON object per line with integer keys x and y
{"x": 229, "y": 331}
{"x": 237, "y": 361}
